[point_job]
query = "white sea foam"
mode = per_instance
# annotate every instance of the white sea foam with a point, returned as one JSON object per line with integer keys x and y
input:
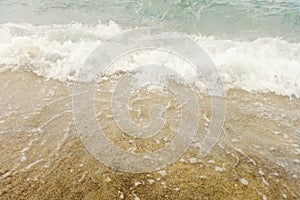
{"x": 59, "y": 51}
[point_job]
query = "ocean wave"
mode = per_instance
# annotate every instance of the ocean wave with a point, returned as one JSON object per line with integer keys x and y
{"x": 59, "y": 51}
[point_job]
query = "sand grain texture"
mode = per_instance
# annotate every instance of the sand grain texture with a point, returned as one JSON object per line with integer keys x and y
{"x": 42, "y": 156}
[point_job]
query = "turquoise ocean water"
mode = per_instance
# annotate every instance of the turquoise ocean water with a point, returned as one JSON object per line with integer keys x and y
{"x": 224, "y": 18}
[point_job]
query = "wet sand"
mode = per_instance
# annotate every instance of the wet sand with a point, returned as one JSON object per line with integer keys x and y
{"x": 42, "y": 157}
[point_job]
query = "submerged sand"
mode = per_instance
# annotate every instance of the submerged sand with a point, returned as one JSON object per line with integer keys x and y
{"x": 42, "y": 157}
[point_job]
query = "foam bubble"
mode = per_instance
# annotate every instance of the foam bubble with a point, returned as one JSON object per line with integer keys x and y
{"x": 58, "y": 52}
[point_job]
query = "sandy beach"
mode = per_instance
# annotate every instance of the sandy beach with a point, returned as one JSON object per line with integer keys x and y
{"x": 42, "y": 156}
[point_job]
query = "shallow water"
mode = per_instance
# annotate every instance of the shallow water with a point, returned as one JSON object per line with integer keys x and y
{"x": 256, "y": 157}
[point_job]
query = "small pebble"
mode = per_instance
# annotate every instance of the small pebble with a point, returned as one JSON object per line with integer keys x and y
{"x": 198, "y": 145}
{"x": 162, "y": 172}
{"x": 261, "y": 172}
{"x": 193, "y": 160}
{"x": 234, "y": 140}
{"x": 211, "y": 161}
{"x": 121, "y": 194}
{"x": 108, "y": 179}
{"x": 137, "y": 183}
{"x": 23, "y": 158}
{"x": 219, "y": 169}
{"x": 244, "y": 181}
